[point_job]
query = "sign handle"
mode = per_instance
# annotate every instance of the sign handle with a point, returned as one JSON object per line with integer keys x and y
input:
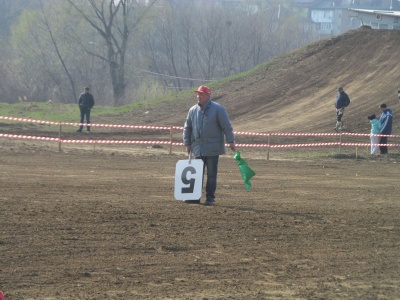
{"x": 190, "y": 157}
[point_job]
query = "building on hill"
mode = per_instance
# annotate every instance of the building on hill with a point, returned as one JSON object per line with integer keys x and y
{"x": 377, "y": 19}
{"x": 333, "y": 17}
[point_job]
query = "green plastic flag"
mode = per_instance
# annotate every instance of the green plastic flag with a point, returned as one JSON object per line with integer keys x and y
{"x": 245, "y": 170}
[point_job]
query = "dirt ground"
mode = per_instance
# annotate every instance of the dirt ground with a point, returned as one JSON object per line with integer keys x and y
{"x": 100, "y": 221}
{"x": 103, "y": 223}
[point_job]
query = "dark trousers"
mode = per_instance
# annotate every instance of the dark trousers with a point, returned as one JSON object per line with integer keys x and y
{"x": 339, "y": 114}
{"x": 211, "y": 163}
{"x": 85, "y": 111}
{"x": 383, "y": 149}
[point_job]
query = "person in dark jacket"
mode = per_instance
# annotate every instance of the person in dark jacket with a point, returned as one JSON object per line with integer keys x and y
{"x": 386, "y": 121}
{"x": 342, "y": 101}
{"x": 85, "y": 102}
{"x": 206, "y": 125}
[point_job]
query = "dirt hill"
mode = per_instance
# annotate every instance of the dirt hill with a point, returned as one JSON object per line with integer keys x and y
{"x": 296, "y": 92}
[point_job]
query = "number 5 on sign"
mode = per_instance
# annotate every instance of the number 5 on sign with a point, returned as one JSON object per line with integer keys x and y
{"x": 188, "y": 179}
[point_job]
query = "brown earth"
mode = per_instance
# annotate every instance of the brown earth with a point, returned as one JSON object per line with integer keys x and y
{"x": 101, "y": 222}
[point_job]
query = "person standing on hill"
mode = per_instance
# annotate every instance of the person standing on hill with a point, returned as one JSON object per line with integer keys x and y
{"x": 342, "y": 101}
{"x": 85, "y": 102}
{"x": 206, "y": 125}
{"x": 386, "y": 121}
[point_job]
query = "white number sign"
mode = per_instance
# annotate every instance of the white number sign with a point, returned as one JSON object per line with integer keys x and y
{"x": 188, "y": 179}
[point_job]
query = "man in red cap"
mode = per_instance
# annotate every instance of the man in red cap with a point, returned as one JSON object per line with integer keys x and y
{"x": 207, "y": 123}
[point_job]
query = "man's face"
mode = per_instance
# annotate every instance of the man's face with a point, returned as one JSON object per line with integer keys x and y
{"x": 86, "y": 91}
{"x": 202, "y": 98}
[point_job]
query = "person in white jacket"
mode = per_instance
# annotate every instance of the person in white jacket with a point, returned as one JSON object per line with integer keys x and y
{"x": 206, "y": 125}
{"x": 376, "y": 126}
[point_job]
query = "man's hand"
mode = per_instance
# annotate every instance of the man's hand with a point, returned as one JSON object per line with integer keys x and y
{"x": 232, "y": 146}
{"x": 188, "y": 149}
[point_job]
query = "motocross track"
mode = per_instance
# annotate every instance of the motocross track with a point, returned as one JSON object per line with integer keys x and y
{"x": 101, "y": 222}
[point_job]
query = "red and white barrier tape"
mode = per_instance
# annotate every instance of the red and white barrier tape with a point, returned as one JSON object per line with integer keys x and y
{"x": 251, "y": 133}
{"x": 18, "y": 136}
{"x": 85, "y": 124}
{"x": 29, "y": 137}
{"x": 305, "y": 134}
{"x": 181, "y": 128}
{"x": 369, "y": 134}
{"x": 305, "y": 145}
{"x": 117, "y": 126}
{"x": 120, "y": 142}
{"x": 29, "y": 120}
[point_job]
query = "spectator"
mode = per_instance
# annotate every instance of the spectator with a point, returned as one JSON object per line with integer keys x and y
{"x": 375, "y": 128}
{"x": 386, "y": 121}
{"x": 342, "y": 101}
{"x": 85, "y": 102}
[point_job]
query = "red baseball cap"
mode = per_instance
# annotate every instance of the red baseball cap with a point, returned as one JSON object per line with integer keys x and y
{"x": 203, "y": 90}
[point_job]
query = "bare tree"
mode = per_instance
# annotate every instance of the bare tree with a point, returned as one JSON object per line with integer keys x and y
{"x": 10, "y": 11}
{"x": 58, "y": 52}
{"x": 101, "y": 43}
{"x": 185, "y": 42}
{"x": 208, "y": 36}
{"x": 114, "y": 21}
{"x": 43, "y": 55}
{"x": 35, "y": 66}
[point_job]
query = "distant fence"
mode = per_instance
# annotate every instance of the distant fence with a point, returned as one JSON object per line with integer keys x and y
{"x": 268, "y": 136}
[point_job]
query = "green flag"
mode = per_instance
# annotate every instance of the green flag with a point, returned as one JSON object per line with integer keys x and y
{"x": 245, "y": 170}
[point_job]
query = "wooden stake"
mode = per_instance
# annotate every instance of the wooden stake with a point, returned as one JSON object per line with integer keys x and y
{"x": 170, "y": 140}
{"x": 59, "y": 139}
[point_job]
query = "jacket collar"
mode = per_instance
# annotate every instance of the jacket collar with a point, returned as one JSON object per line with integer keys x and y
{"x": 206, "y": 105}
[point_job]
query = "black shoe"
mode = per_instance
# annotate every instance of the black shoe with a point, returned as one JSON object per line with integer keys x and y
{"x": 209, "y": 202}
{"x": 79, "y": 131}
{"x": 192, "y": 201}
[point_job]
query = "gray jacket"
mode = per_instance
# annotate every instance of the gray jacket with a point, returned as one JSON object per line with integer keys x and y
{"x": 205, "y": 128}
